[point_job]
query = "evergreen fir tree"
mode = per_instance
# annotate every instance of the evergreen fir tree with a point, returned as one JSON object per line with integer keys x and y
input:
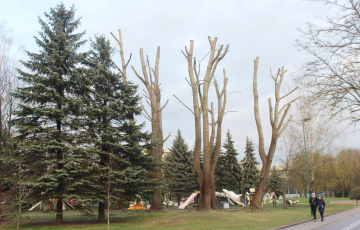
{"x": 178, "y": 169}
{"x": 228, "y": 170}
{"x": 275, "y": 182}
{"x": 250, "y": 172}
{"x": 112, "y": 139}
{"x": 44, "y": 119}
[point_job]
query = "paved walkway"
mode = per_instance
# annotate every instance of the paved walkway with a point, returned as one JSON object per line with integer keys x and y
{"x": 346, "y": 220}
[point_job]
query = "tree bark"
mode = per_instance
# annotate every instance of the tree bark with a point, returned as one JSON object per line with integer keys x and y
{"x": 59, "y": 211}
{"x": 101, "y": 212}
{"x": 156, "y": 199}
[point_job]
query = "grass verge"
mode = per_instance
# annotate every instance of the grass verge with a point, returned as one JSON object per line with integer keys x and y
{"x": 233, "y": 218}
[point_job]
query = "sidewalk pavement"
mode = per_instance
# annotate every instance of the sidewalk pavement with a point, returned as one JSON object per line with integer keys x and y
{"x": 328, "y": 219}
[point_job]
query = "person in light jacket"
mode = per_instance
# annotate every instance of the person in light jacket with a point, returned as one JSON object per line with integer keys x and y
{"x": 313, "y": 204}
{"x": 321, "y": 207}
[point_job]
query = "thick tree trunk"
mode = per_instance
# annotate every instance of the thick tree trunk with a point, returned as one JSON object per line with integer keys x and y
{"x": 213, "y": 197}
{"x": 156, "y": 200}
{"x": 261, "y": 189}
{"x": 101, "y": 212}
{"x": 59, "y": 211}
{"x": 205, "y": 194}
{"x": 179, "y": 199}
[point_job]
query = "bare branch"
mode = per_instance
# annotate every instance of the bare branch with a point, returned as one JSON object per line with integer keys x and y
{"x": 128, "y": 60}
{"x": 184, "y": 104}
{"x": 165, "y": 105}
{"x": 167, "y": 137}
{"x": 272, "y": 76}
{"x": 141, "y": 79}
{"x": 288, "y": 104}
{"x": 286, "y": 124}
{"x": 148, "y": 118}
{"x": 289, "y": 93}
{"x": 146, "y": 111}
{"x": 146, "y": 94}
{"x": 184, "y": 54}
{"x": 147, "y": 101}
{"x": 118, "y": 68}
{"x": 188, "y": 82}
{"x": 283, "y": 116}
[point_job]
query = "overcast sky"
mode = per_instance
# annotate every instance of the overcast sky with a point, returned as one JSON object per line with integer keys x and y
{"x": 260, "y": 28}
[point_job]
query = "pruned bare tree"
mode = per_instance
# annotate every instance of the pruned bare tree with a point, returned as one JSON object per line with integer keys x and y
{"x": 153, "y": 99}
{"x": 277, "y": 118}
{"x": 200, "y": 89}
{"x": 336, "y": 64}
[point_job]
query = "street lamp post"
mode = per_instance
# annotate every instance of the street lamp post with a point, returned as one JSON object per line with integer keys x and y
{"x": 307, "y": 165}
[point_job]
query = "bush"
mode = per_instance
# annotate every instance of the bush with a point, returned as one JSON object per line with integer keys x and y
{"x": 352, "y": 193}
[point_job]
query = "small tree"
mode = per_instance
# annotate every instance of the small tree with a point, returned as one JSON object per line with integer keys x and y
{"x": 178, "y": 168}
{"x": 250, "y": 172}
{"x": 228, "y": 170}
{"x": 275, "y": 182}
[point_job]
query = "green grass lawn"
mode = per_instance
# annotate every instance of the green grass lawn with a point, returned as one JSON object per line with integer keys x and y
{"x": 234, "y": 218}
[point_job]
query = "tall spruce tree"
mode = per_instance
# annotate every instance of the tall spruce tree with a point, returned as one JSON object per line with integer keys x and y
{"x": 44, "y": 119}
{"x": 112, "y": 139}
{"x": 228, "y": 170}
{"x": 250, "y": 172}
{"x": 178, "y": 169}
{"x": 275, "y": 182}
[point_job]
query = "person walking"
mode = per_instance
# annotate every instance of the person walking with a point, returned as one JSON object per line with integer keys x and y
{"x": 313, "y": 204}
{"x": 321, "y": 207}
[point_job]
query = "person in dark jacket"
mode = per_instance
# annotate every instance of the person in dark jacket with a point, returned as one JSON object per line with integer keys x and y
{"x": 313, "y": 204}
{"x": 321, "y": 207}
